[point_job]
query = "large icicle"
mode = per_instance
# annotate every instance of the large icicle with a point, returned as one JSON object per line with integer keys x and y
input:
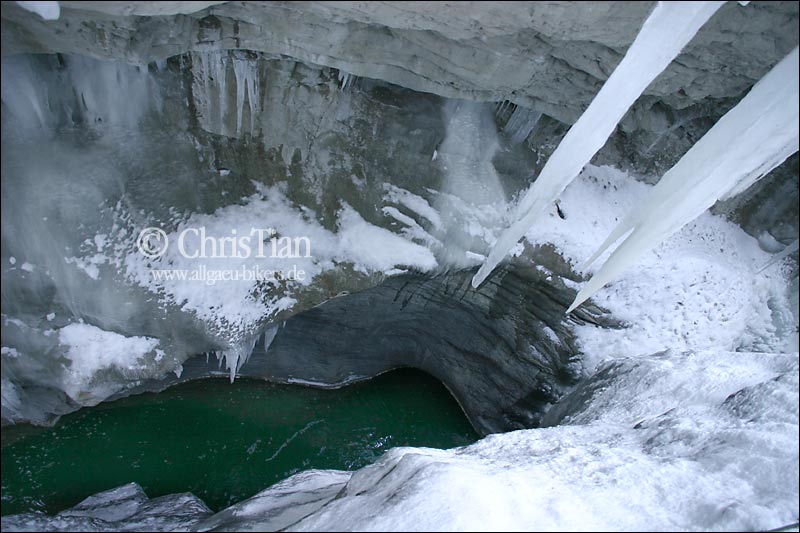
{"x": 745, "y": 144}
{"x": 664, "y": 34}
{"x": 246, "y": 73}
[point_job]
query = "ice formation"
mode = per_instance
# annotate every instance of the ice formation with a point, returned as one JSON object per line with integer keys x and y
{"x": 46, "y": 10}
{"x": 471, "y": 182}
{"x": 247, "y": 82}
{"x": 754, "y": 137}
{"x": 521, "y": 123}
{"x": 666, "y": 31}
{"x": 43, "y": 97}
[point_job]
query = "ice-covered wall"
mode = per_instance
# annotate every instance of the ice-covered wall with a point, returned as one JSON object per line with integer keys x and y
{"x": 548, "y": 56}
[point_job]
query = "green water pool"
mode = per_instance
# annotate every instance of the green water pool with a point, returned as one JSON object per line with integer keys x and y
{"x": 223, "y": 442}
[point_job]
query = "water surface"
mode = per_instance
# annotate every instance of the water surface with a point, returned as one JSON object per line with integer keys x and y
{"x": 223, "y": 442}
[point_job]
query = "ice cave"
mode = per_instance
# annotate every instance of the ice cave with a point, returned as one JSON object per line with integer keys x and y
{"x": 400, "y": 266}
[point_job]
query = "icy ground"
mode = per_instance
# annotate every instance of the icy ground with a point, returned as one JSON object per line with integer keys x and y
{"x": 699, "y": 289}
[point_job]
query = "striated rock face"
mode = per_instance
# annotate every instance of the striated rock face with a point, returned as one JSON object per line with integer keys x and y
{"x": 506, "y": 352}
{"x": 550, "y": 56}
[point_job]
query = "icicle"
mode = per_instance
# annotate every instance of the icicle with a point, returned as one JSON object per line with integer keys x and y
{"x": 246, "y": 73}
{"x": 745, "y": 144}
{"x": 240, "y": 72}
{"x": 269, "y": 336}
{"x": 236, "y": 356}
{"x": 664, "y": 34}
{"x": 220, "y": 77}
{"x": 521, "y": 124}
{"x": 24, "y": 93}
{"x": 786, "y": 252}
{"x": 345, "y": 79}
{"x": 253, "y": 95}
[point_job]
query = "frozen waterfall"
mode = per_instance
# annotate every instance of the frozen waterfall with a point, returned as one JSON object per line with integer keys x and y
{"x": 747, "y": 143}
{"x": 666, "y": 31}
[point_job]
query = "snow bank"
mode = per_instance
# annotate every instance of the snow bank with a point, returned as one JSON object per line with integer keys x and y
{"x": 91, "y": 349}
{"x": 700, "y": 289}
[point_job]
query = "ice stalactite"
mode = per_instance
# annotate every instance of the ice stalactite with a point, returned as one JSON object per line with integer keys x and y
{"x": 269, "y": 336}
{"x": 744, "y": 145}
{"x": 211, "y": 98}
{"x": 237, "y": 355}
{"x": 521, "y": 123}
{"x": 666, "y": 31}
{"x": 247, "y": 83}
{"x": 25, "y": 95}
{"x": 346, "y": 80}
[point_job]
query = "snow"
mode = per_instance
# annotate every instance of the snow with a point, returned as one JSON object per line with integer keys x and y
{"x": 125, "y": 508}
{"x": 751, "y": 139}
{"x": 412, "y": 230}
{"x": 9, "y": 352}
{"x": 46, "y": 10}
{"x": 375, "y": 248}
{"x": 235, "y": 307}
{"x": 90, "y": 349}
{"x": 415, "y": 203}
{"x": 663, "y": 35}
{"x": 710, "y": 294}
{"x": 682, "y": 462}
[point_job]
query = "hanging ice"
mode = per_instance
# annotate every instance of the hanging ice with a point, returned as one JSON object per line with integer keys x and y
{"x": 246, "y": 72}
{"x": 750, "y": 140}
{"x": 210, "y": 91}
{"x": 103, "y": 95}
{"x": 521, "y": 123}
{"x": 237, "y": 355}
{"x": 664, "y": 34}
{"x": 345, "y": 79}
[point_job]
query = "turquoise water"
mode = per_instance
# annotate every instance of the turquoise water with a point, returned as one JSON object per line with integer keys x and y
{"x": 223, "y": 442}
